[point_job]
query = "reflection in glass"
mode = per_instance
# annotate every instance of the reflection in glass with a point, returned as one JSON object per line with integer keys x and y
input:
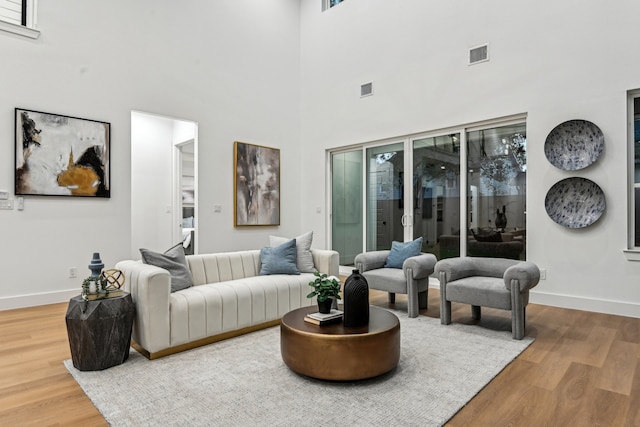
{"x": 385, "y": 193}
{"x": 436, "y": 183}
{"x": 497, "y": 168}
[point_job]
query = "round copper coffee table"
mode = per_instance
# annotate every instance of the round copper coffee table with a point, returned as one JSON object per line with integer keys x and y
{"x": 335, "y": 352}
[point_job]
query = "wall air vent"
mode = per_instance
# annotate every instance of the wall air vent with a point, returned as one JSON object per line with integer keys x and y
{"x": 479, "y": 54}
{"x": 366, "y": 89}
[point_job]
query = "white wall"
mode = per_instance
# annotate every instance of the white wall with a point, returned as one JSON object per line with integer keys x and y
{"x": 152, "y": 225}
{"x": 561, "y": 61}
{"x": 280, "y": 72}
{"x": 232, "y": 66}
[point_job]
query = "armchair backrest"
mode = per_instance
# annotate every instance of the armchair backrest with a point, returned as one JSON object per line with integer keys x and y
{"x": 459, "y": 268}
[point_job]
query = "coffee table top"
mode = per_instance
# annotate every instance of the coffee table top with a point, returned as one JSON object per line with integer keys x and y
{"x": 380, "y": 320}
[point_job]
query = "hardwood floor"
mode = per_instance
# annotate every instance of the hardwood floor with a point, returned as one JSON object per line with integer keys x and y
{"x": 582, "y": 370}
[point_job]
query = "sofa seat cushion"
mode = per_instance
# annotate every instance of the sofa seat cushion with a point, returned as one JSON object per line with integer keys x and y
{"x": 481, "y": 291}
{"x": 210, "y": 309}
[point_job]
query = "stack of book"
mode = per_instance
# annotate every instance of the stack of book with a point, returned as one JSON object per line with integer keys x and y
{"x": 104, "y": 295}
{"x": 324, "y": 319}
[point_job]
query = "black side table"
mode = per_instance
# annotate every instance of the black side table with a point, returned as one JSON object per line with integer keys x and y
{"x": 100, "y": 336}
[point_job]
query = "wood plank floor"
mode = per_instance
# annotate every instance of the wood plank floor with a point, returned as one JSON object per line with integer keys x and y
{"x": 582, "y": 370}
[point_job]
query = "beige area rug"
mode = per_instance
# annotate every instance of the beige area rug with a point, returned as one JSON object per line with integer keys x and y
{"x": 243, "y": 382}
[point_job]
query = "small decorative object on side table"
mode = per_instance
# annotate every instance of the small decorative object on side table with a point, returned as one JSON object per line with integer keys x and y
{"x": 102, "y": 283}
{"x": 99, "y": 320}
{"x": 327, "y": 289}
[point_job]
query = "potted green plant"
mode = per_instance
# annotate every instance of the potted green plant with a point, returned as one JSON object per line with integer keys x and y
{"x": 326, "y": 288}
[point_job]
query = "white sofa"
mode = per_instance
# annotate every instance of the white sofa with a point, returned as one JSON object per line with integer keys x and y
{"x": 229, "y": 298}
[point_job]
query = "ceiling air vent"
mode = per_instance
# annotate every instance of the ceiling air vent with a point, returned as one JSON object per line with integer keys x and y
{"x": 366, "y": 89}
{"x": 479, "y": 54}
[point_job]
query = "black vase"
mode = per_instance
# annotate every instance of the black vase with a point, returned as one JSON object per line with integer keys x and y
{"x": 325, "y": 306}
{"x": 356, "y": 300}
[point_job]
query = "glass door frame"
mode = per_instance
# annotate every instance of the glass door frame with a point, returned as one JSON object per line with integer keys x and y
{"x": 408, "y": 200}
{"x": 366, "y": 201}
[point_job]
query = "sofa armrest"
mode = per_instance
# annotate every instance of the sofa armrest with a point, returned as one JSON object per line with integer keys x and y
{"x": 371, "y": 260}
{"x": 526, "y": 273}
{"x": 421, "y": 265}
{"x": 326, "y": 261}
{"x": 150, "y": 287}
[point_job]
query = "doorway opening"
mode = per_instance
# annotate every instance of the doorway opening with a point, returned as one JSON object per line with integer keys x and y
{"x": 164, "y": 183}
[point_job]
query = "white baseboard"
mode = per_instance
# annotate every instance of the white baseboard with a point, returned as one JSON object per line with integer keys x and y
{"x": 346, "y": 270}
{"x": 22, "y": 301}
{"x": 617, "y": 308}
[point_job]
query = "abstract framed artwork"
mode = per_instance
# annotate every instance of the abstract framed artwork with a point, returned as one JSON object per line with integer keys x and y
{"x": 256, "y": 185}
{"x": 60, "y": 155}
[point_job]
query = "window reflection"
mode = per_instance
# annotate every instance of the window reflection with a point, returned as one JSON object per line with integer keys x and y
{"x": 497, "y": 168}
{"x": 436, "y": 183}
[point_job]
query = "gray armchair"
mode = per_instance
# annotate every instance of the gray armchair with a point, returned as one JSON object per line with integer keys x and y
{"x": 412, "y": 279}
{"x": 489, "y": 282}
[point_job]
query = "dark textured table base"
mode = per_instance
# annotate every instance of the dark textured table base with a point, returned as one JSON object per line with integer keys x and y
{"x": 100, "y": 336}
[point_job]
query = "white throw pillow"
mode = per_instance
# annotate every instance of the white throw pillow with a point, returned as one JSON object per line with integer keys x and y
{"x": 304, "y": 259}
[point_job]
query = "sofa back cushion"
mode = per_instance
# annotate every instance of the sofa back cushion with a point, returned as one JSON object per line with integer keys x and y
{"x": 222, "y": 267}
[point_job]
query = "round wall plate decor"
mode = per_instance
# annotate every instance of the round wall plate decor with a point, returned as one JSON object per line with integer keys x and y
{"x": 575, "y": 202}
{"x": 574, "y": 145}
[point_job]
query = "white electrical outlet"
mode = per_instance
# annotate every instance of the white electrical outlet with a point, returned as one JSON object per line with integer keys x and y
{"x": 543, "y": 274}
{"x": 73, "y": 272}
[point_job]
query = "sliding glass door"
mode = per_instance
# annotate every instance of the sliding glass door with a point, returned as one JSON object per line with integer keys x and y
{"x": 436, "y": 194}
{"x": 497, "y": 185}
{"x": 346, "y": 204}
{"x": 463, "y": 192}
{"x": 385, "y": 196}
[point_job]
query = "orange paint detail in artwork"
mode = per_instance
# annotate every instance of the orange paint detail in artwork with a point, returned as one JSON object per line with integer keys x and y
{"x": 80, "y": 180}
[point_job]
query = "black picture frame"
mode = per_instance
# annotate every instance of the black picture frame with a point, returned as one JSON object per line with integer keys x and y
{"x": 58, "y": 155}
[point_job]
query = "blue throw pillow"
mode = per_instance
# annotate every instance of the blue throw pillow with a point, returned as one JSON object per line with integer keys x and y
{"x": 279, "y": 259}
{"x": 401, "y": 251}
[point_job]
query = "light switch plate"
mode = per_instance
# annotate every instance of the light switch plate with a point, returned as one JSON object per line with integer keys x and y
{"x": 4, "y": 194}
{"x": 6, "y": 204}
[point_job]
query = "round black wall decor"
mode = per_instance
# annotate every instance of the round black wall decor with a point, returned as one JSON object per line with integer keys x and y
{"x": 574, "y": 145}
{"x": 575, "y": 202}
